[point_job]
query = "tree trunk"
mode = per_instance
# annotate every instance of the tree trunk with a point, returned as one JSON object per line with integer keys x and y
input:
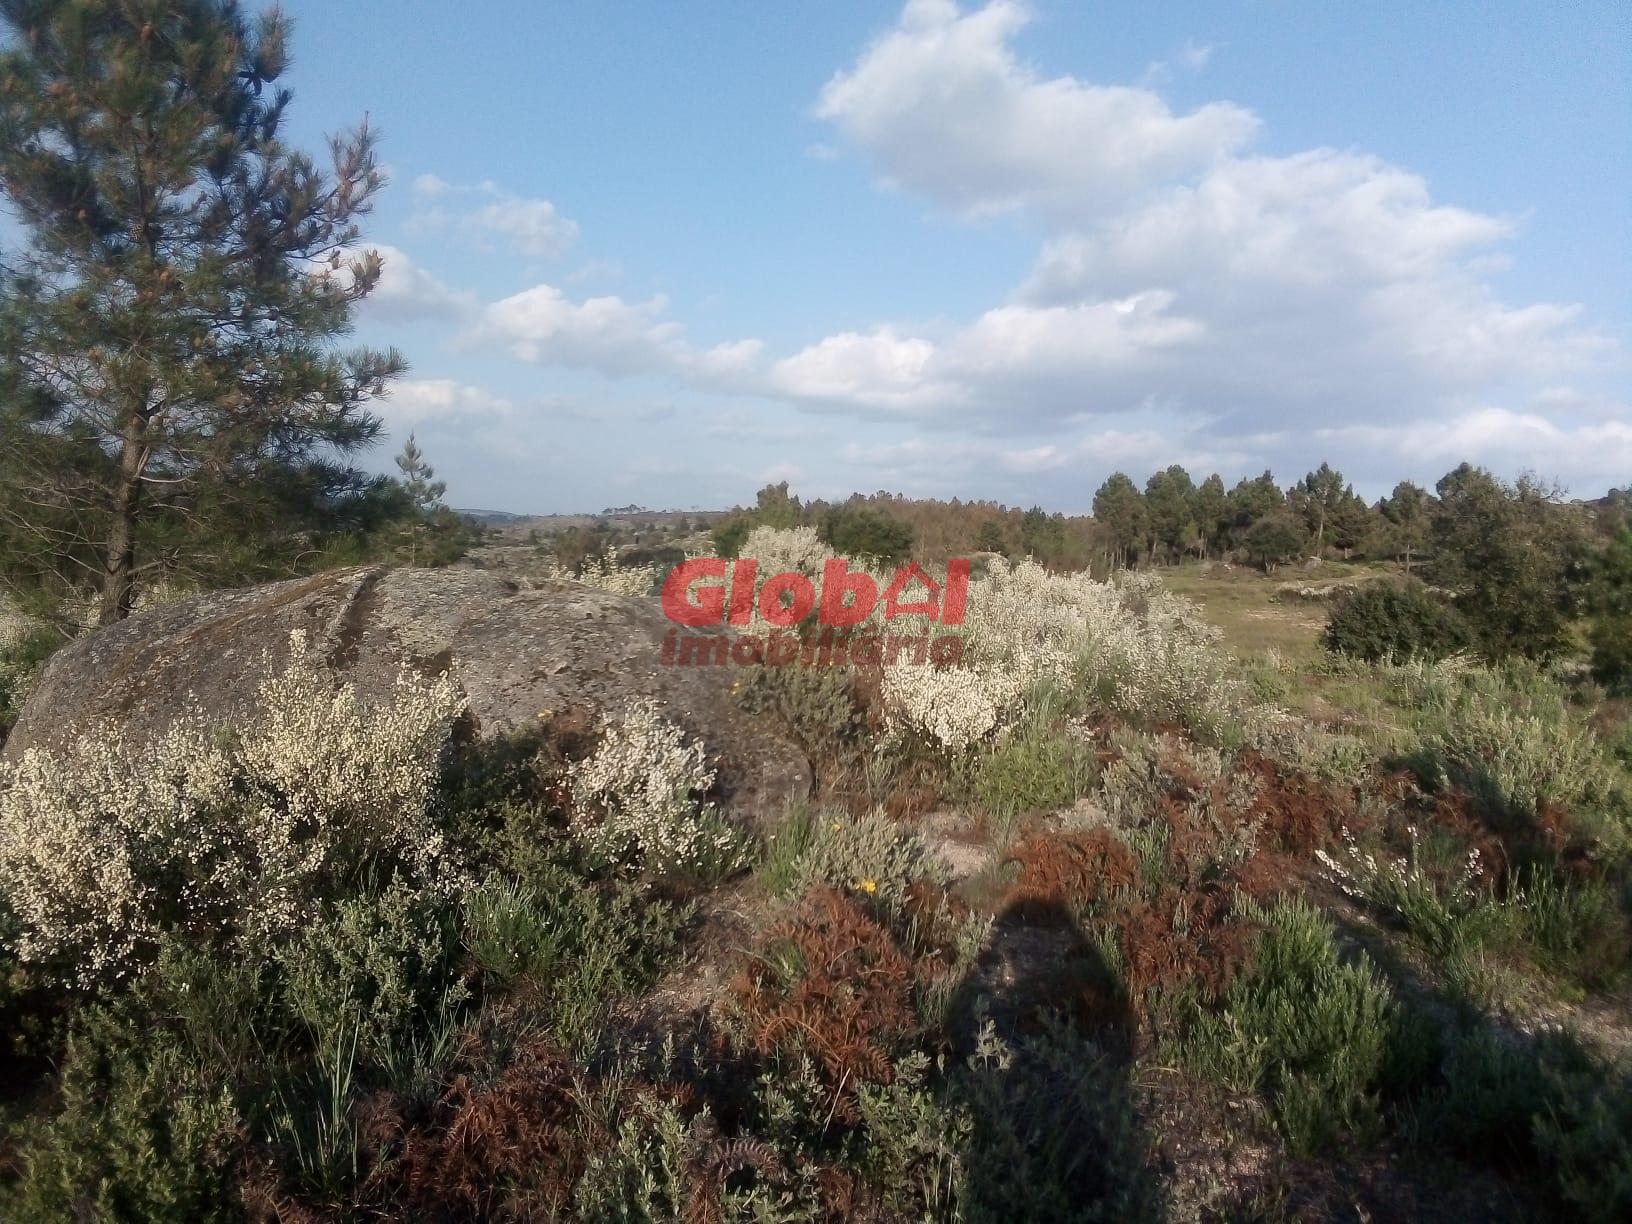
{"x": 119, "y": 570}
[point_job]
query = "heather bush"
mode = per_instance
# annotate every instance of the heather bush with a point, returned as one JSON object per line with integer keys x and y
{"x": 1034, "y": 769}
{"x": 372, "y": 968}
{"x": 816, "y": 703}
{"x": 106, "y": 847}
{"x": 870, "y": 854}
{"x": 141, "y": 1132}
{"x": 606, "y": 573}
{"x": 1388, "y": 621}
{"x": 1512, "y": 738}
{"x": 572, "y": 947}
{"x": 1308, "y": 1031}
{"x": 1331, "y": 756}
{"x": 636, "y": 801}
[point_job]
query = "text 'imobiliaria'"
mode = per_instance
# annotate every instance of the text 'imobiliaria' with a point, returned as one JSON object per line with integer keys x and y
{"x": 842, "y": 619}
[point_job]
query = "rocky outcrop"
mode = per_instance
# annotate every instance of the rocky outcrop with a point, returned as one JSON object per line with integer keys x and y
{"x": 517, "y": 652}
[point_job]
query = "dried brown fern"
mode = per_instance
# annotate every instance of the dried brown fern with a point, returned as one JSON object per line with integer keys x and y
{"x": 847, "y": 1001}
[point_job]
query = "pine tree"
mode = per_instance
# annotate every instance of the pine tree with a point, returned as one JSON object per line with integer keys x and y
{"x": 775, "y": 507}
{"x": 1317, "y": 500}
{"x": 187, "y": 272}
{"x": 1252, "y": 500}
{"x": 424, "y": 492}
{"x": 990, "y": 537}
{"x": 1120, "y": 507}
{"x": 1407, "y": 511}
{"x": 1212, "y": 512}
{"x": 1170, "y": 507}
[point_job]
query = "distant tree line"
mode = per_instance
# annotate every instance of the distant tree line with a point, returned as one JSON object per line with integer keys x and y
{"x": 1513, "y": 564}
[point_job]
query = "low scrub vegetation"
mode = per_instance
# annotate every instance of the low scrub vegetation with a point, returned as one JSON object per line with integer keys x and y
{"x": 1062, "y": 951}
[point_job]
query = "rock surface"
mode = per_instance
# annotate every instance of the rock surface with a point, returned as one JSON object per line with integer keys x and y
{"x": 517, "y": 652}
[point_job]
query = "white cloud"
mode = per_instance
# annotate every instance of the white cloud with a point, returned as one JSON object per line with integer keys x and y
{"x": 879, "y": 370}
{"x": 607, "y": 334}
{"x": 1600, "y": 451}
{"x": 1246, "y": 293}
{"x": 487, "y": 213}
{"x": 1014, "y": 361}
{"x": 1196, "y": 56}
{"x": 407, "y": 292}
{"x": 412, "y": 402}
{"x": 529, "y": 227}
{"x": 943, "y": 106}
{"x": 1191, "y": 57}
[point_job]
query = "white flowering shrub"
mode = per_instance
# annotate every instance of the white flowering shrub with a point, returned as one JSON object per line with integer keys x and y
{"x": 1401, "y": 888}
{"x": 954, "y": 707}
{"x": 1142, "y": 649}
{"x": 785, "y": 550}
{"x": 635, "y": 800}
{"x": 604, "y": 573}
{"x": 105, "y": 847}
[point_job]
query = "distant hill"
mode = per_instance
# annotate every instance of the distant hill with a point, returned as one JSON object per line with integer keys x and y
{"x": 493, "y": 516}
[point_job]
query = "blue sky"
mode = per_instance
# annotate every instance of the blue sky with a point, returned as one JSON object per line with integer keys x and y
{"x": 665, "y": 252}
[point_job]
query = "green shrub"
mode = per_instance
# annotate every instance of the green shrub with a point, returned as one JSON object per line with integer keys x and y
{"x": 786, "y": 846}
{"x": 1611, "y": 639}
{"x": 1054, "y": 1135}
{"x": 513, "y": 933}
{"x": 227, "y": 1007}
{"x": 140, "y": 1133}
{"x": 1573, "y": 928}
{"x": 644, "y": 1174}
{"x": 815, "y": 703}
{"x": 915, "y": 1143}
{"x": 1585, "y": 1136}
{"x": 577, "y": 947}
{"x": 1540, "y": 1100}
{"x": 1510, "y": 736}
{"x": 1488, "y": 1091}
{"x": 1034, "y": 769}
{"x": 871, "y": 854}
{"x": 1306, "y": 1030}
{"x": 1388, "y": 621}
{"x": 373, "y": 967}
{"x": 728, "y": 537}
